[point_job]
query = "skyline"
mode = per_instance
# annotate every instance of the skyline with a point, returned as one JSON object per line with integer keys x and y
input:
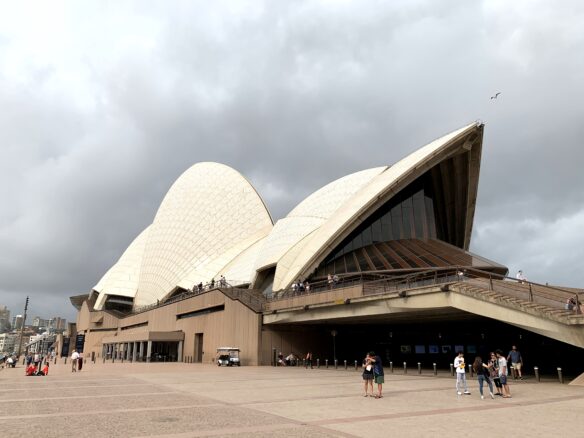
{"x": 109, "y": 105}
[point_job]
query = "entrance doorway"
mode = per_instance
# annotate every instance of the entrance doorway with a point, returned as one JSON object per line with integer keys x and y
{"x": 198, "y": 347}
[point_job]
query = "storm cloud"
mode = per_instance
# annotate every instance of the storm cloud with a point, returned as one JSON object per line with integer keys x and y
{"x": 104, "y": 104}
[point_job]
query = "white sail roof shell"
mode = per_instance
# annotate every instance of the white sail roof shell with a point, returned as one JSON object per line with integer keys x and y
{"x": 308, "y": 252}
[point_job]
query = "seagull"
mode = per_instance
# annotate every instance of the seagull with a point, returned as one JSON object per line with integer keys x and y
{"x": 496, "y": 95}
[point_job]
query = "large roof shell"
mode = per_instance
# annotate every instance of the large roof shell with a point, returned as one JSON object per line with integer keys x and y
{"x": 312, "y": 249}
{"x": 205, "y": 215}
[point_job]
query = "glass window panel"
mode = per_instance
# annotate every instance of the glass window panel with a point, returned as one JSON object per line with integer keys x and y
{"x": 396, "y": 222}
{"x": 366, "y": 235}
{"x": 363, "y": 265}
{"x": 376, "y": 231}
{"x": 419, "y": 215}
{"x": 407, "y": 218}
{"x": 431, "y": 221}
{"x": 386, "y": 231}
{"x": 340, "y": 266}
{"x": 350, "y": 263}
{"x": 373, "y": 256}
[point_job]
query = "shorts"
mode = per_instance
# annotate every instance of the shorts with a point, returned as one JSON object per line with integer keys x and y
{"x": 379, "y": 379}
{"x": 517, "y": 366}
{"x": 503, "y": 379}
{"x": 367, "y": 376}
{"x": 497, "y": 382}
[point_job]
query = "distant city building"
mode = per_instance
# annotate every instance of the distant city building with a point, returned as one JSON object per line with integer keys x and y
{"x": 17, "y": 322}
{"x": 40, "y": 322}
{"x": 4, "y": 319}
{"x": 7, "y": 342}
{"x": 57, "y": 324}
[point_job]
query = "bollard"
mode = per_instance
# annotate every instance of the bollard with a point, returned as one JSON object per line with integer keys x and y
{"x": 122, "y": 358}
{"x": 405, "y": 368}
{"x": 419, "y": 368}
{"x": 391, "y": 367}
{"x": 452, "y": 369}
{"x": 104, "y": 359}
{"x": 470, "y": 370}
{"x": 560, "y": 375}
{"x": 65, "y": 360}
{"x": 536, "y": 371}
{"x": 326, "y": 363}
{"x": 356, "y": 366}
{"x": 317, "y": 363}
{"x": 435, "y": 369}
{"x": 55, "y": 363}
{"x": 336, "y": 364}
{"x": 345, "y": 364}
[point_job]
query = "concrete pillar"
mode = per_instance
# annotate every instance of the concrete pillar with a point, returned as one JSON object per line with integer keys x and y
{"x": 134, "y": 347}
{"x": 180, "y": 351}
{"x": 149, "y": 351}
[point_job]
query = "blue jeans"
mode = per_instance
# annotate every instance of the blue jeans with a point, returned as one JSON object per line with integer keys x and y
{"x": 482, "y": 378}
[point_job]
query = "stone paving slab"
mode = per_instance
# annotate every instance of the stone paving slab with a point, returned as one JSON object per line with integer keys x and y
{"x": 187, "y": 400}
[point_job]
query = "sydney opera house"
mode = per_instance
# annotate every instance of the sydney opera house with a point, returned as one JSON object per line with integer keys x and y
{"x": 378, "y": 259}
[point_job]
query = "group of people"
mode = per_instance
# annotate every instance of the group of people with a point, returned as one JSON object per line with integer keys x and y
{"x": 76, "y": 361}
{"x": 494, "y": 371}
{"x": 373, "y": 373}
{"x": 300, "y": 286}
{"x": 294, "y": 360}
{"x": 332, "y": 280}
{"x": 34, "y": 364}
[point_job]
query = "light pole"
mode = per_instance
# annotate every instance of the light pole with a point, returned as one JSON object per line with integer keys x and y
{"x": 22, "y": 328}
{"x": 334, "y": 335}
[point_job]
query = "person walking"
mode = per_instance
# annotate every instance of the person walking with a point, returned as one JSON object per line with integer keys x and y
{"x": 378, "y": 375}
{"x": 74, "y": 358}
{"x": 483, "y": 375}
{"x": 368, "y": 376}
{"x": 459, "y": 365}
{"x": 503, "y": 373}
{"x": 516, "y": 360}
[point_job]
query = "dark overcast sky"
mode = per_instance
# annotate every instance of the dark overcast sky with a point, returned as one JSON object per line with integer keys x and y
{"x": 104, "y": 104}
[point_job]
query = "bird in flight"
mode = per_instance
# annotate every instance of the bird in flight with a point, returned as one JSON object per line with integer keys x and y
{"x": 496, "y": 95}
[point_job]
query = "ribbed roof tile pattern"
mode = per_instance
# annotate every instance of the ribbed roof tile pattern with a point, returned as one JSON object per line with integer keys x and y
{"x": 208, "y": 210}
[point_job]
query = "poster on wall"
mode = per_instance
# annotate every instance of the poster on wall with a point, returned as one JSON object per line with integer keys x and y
{"x": 433, "y": 349}
{"x": 446, "y": 349}
{"x": 471, "y": 349}
{"x": 420, "y": 349}
{"x": 459, "y": 349}
{"x": 406, "y": 349}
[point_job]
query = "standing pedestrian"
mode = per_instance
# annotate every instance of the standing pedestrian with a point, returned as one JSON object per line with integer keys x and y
{"x": 517, "y": 361}
{"x": 368, "y": 375}
{"x": 494, "y": 369}
{"x": 459, "y": 365}
{"x": 483, "y": 375}
{"x": 503, "y": 373}
{"x": 378, "y": 374}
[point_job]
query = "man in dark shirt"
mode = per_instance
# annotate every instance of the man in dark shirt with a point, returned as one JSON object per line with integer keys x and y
{"x": 517, "y": 361}
{"x": 377, "y": 373}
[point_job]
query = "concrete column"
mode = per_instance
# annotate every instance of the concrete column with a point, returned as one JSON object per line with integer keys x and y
{"x": 180, "y": 351}
{"x": 134, "y": 347}
{"x": 149, "y": 351}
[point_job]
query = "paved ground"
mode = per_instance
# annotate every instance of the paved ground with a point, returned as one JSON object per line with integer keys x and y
{"x": 185, "y": 400}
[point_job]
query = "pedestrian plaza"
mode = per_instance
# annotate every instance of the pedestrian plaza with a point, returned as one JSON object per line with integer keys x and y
{"x": 195, "y": 400}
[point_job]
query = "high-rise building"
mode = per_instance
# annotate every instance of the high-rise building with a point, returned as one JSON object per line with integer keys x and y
{"x": 17, "y": 322}
{"x": 7, "y": 341}
{"x": 4, "y": 319}
{"x": 40, "y": 322}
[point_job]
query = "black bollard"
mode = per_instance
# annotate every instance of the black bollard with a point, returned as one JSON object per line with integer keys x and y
{"x": 419, "y": 368}
{"x": 536, "y": 371}
{"x": 470, "y": 370}
{"x": 405, "y": 368}
{"x": 345, "y": 364}
{"x": 560, "y": 375}
{"x": 452, "y": 369}
{"x": 435, "y": 369}
{"x": 391, "y": 367}
{"x": 336, "y": 364}
{"x": 104, "y": 359}
{"x": 356, "y": 369}
{"x": 326, "y": 363}
{"x": 317, "y": 363}
{"x": 65, "y": 360}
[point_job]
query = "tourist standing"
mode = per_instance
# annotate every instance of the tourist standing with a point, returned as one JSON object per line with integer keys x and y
{"x": 368, "y": 376}
{"x": 459, "y": 365}
{"x": 378, "y": 375}
{"x": 503, "y": 373}
{"x": 522, "y": 278}
{"x": 494, "y": 369}
{"x": 517, "y": 361}
{"x": 483, "y": 374}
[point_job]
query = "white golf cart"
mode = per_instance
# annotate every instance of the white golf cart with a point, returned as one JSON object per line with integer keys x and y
{"x": 228, "y": 356}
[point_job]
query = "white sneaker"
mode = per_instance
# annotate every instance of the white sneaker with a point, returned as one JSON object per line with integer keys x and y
{"x": 467, "y": 392}
{"x": 482, "y": 397}
{"x": 492, "y": 396}
{"x": 459, "y": 393}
